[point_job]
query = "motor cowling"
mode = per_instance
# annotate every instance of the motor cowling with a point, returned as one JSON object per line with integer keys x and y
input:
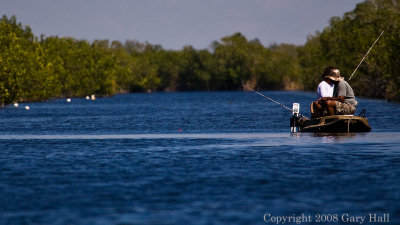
{"x": 294, "y": 127}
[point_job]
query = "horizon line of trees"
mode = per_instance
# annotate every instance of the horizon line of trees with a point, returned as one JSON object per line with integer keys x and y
{"x": 38, "y": 68}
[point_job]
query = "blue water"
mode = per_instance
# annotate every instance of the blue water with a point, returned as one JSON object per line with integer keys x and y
{"x": 192, "y": 158}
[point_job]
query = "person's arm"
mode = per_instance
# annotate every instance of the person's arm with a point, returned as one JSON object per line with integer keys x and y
{"x": 340, "y": 98}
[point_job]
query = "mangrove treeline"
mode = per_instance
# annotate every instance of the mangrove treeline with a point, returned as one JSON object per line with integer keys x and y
{"x": 38, "y": 68}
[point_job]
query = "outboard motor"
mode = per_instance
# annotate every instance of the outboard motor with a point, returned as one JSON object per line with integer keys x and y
{"x": 294, "y": 127}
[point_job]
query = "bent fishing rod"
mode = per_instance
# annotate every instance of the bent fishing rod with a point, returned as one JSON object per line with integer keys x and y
{"x": 282, "y": 105}
{"x": 365, "y": 55}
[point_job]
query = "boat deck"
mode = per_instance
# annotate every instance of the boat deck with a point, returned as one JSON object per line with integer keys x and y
{"x": 334, "y": 124}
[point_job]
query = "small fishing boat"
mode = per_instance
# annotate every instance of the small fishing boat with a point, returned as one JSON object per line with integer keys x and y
{"x": 324, "y": 124}
{"x": 329, "y": 124}
{"x": 334, "y": 124}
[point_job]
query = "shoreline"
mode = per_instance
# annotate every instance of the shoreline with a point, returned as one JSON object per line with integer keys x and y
{"x": 3, "y": 106}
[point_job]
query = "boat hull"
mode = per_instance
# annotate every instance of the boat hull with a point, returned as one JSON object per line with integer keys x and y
{"x": 334, "y": 124}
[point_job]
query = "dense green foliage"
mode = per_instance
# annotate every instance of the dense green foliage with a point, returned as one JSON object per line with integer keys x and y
{"x": 348, "y": 38}
{"x": 34, "y": 69}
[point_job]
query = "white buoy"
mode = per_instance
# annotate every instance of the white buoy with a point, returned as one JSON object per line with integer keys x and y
{"x": 27, "y": 107}
{"x": 87, "y": 97}
{"x": 68, "y": 100}
{"x": 93, "y": 97}
{"x": 16, "y": 104}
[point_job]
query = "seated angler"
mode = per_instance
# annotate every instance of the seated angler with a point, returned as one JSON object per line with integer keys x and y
{"x": 343, "y": 101}
{"x": 324, "y": 89}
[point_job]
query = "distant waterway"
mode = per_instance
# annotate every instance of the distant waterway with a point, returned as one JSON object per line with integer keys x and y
{"x": 193, "y": 158}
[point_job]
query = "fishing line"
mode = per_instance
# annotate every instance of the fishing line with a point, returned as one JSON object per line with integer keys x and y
{"x": 365, "y": 55}
{"x": 282, "y": 105}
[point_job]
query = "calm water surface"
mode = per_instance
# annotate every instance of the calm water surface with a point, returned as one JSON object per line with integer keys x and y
{"x": 192, "y": 158}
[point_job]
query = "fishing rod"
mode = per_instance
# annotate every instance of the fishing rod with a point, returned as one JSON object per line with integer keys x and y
{"x": 365, "y": 55}
{"x": 282, "y": 105}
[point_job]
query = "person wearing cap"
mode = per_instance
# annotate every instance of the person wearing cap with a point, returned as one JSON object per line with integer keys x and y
{"x": 343, "y": 101}
{"x": 324, "y": 89}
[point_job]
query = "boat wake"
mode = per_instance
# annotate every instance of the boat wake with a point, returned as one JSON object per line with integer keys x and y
{"x": 270, "y": 139}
